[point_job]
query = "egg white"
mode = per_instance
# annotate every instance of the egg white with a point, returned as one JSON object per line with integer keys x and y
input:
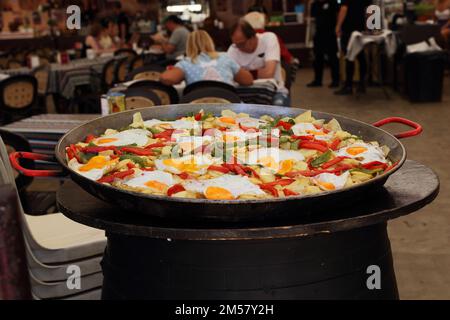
{"x": 201, "y": 161}
{"x": 236, "y": 185}
{"x": 93, "y": 174}
{"x": 373, "y": 153}
{"x": 301, "y": 129}
{"x": 251, "y": 122}
{"x": 177, "y": 124}
{"x": 338, "y": 181}
{"x": 125, "y": 138}
{"x": 146, "y": 176}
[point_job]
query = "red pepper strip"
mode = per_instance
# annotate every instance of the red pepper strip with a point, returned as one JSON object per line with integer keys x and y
{"x": 281, "y": 182}
{"x": 130, "y": 165}
{"x": 75, "y": 151}
{"x": 270, "y": 189}
{"x": 333, "y": 162}
{"x": 289, "y": 193}
{"x": 321, "y": 128}
{"x": 148, "y": 169}
{"x": 246, "y": 129}
{"x": 335, "y": 144}
{"x": 303, "y": 137}
{"x": 312, "y": 146}
{"x": 322, "y": 143}
{"x": 184, "y": 176}
{"x": 219, "y": 169}
{"x": 99, "y": 149}
{"x": 313, "y": 173}
{"x": 117, "y": 175}
{"x": 252, "y": 171}
{"x": 70, "y": 153}
{"x": 90, "y": 138}
{"x": 175, "y": 189}
{"x": 156, "y": 145}
{"x": 286, "y": 125}
{"x": 164, "y": 135}
{"x": 239, "y": 170}
{"x": 375, "y": 165}
{"x": 392, "y": 166}
{"x": 138, "y": 151}
{"x": 198, "y": 117}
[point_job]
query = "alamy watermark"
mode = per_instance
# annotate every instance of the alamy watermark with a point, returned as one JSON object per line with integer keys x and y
{"x": 373, "y": 18}
{"x": 374, "y": 280}
{"x": 73, "y": 21}
{"x": 74, "y": 279}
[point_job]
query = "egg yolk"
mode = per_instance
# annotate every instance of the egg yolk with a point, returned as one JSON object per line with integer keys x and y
{"x": 286, "y": 166}
{"x": 227, "y": 120}
{"x": 161, "y": 187}
{"x": 315, "y": 133}
{"x": 98, "y": 162}
{"x": 327, "y": 185}
{"x": 106, "y": 140}
{"x": 269, "y": 162}
{"x": 354, "y": 151}
{"x": 189, "y": 166}
{"x": 229, "y": 138}
{"x": 217, "y": 193}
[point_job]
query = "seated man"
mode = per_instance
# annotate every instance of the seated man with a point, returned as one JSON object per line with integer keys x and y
{"x": 176, "y": 45}
{"x": 260, "y": 54}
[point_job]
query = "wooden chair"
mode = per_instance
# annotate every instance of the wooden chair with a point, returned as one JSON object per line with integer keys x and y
{"x": 121, "y": 70}
{"x": 107, "y": 76}
{"x": 151, "y": 72}
{"x": 202, "y": 85}
{"x": 141, "y": 98}
{"x": 42, "y": 75}
{"x": 136, "y": 62}
{"x": 129, "y": 53}
{"x": 13, "y": 64}
{"x": 210, "y": 92}
{"x": 18, "y": 95}
{"x": 211, "y": 95}
{"x": 167, "y": 94}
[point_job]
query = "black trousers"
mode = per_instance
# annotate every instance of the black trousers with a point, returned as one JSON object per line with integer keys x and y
{"x": 325, "y": 45}
{"x": 350, "y": 65}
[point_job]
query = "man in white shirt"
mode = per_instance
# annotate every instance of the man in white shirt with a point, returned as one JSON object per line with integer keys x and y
{"x": 260, "y": 54}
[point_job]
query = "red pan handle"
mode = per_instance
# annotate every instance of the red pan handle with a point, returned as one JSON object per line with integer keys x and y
{"x": 417, "y": 128}
{"x": 14, "y": 159}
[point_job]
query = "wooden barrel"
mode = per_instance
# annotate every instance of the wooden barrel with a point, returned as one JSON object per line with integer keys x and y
{"x": 325, "y": 266}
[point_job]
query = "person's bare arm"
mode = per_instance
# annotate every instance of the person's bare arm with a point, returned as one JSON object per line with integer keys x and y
{"x": 244, "y": 77}
{"x": 168, "y": 48}
{"x": 172, "y": 77}
{"x": 268, "y": 72}
{"x": 340, "y": 19}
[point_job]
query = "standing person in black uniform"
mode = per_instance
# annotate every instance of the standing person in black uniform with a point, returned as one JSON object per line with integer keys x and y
{"x": 325, "y": 41}
{"x": 352, "y": 17}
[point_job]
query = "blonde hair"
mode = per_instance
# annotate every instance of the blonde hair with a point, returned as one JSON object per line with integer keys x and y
{"x": 200, "y": 42}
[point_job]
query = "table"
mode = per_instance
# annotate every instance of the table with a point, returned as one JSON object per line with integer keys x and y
{"x": 323, "y": 256}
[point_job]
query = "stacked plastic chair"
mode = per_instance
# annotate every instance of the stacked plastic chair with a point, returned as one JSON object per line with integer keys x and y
{"x": 53, "y": 244}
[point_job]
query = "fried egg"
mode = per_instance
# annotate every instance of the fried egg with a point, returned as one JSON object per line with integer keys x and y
{"x": 95, "y": 168}
{"x": 331, "y": 182}
{"x": 190, "y": 143}
{"x": 157, "y": 181}
{"x": 177, "y": 124}
{"x": 197, "y": 164}
{"x": 248, "y": 122}
{"x": 226, "y": 187}
{"x": 277, "y": 160}
{"x": 308, "y": 129}
{"x": 124, "y": 138}
{"x": 237, "y": 136}
{"x": 366, "y": 152}
{"x": 226, "y": 121}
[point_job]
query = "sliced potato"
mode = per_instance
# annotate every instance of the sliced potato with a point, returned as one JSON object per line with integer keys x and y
{"x": 305, "y": 117}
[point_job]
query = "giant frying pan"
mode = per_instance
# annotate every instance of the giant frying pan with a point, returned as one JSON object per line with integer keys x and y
{"x": 230, "y": 211}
